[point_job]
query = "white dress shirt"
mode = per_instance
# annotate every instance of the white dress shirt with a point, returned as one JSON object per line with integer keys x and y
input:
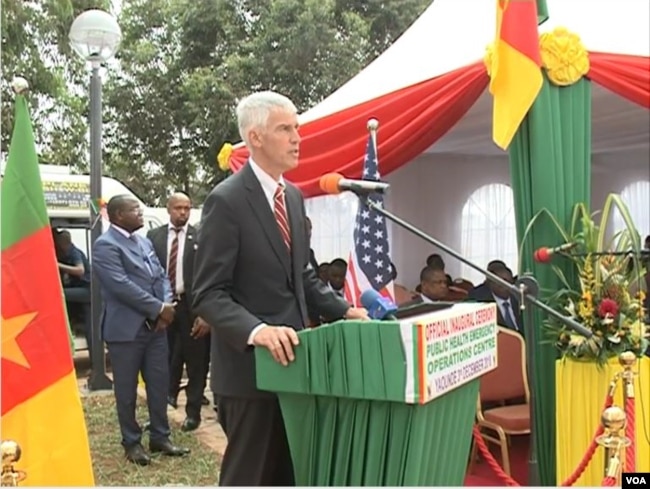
{"x": 268, "y": 183}
{"x": 182, "y": 234}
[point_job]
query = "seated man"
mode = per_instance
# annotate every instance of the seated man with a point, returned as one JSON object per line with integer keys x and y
{"x": 433, "y": 287}
{"x": 508, "y": 310}
{"x": 75, "y": 277}
{"x": 336, "y": 271}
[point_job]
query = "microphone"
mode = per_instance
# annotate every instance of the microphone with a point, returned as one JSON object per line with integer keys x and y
{"x": 378, "y": 306}
{"x": 335, "y": 183}
{"x": 544, "y": 255}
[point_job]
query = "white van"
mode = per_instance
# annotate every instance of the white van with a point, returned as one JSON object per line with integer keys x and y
{"x": 67, "y": 198}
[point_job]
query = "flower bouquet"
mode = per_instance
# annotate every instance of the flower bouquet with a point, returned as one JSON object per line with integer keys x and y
{"x": 607, "y": 296}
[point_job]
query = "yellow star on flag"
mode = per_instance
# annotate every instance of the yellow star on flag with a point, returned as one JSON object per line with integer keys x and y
{"x": 11, "y": 328}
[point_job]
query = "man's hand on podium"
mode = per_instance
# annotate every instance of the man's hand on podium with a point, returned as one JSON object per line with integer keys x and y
{"x": 279, "y": 340}
{"x": 358, "y": 313}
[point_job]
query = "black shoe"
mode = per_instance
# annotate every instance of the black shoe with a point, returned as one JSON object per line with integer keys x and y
{"x": 166, "y": 448}
{"x": 137, "y": 455}
{"x": 205, "y": 401}
{"x": 190, "y": 424}
{"x": 172, "y": 401}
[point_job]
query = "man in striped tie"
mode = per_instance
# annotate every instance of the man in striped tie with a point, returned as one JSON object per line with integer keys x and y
{"x": 175, "y": 244}
{"x": 254, "y": 286}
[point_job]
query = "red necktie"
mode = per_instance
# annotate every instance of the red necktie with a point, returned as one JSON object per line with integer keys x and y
{"x": 173, "y": 258}
{"x": 280, "y": 211}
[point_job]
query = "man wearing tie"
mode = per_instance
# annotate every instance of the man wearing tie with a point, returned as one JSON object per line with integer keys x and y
{"x": 137, "y": 309}
{"x": 508, "y": 310}
{"x": 253, "y": 285}
{"x": 175, "y": 244}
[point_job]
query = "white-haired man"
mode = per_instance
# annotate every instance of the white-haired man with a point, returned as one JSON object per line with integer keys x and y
{"x": 253, "y": 285}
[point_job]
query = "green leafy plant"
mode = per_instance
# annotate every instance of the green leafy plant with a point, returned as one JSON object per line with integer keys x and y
{"x": 608, "y": 299}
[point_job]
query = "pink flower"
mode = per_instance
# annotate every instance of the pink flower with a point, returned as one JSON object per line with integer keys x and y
{"x": 608, "y": 308}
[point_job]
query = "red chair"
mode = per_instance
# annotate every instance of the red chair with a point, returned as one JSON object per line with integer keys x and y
{"x": 503, "y": 405}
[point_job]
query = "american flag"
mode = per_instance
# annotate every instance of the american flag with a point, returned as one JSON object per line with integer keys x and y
{"x": 369, "y": 264}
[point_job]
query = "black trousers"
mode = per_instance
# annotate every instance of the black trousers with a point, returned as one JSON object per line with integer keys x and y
{"x": 190, "y": 352}
{"x": 146, "y": 354}
{"x": 257, "y": 453}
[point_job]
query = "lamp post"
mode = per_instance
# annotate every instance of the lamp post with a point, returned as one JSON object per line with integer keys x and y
{"x": 95, "y": 36}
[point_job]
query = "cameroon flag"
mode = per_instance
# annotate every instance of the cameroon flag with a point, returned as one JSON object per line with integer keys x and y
{"x": 515, "y": 71}
{"x": 41, "y": 408}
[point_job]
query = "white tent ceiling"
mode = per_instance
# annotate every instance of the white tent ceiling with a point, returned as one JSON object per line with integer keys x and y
{"x": 451, "y": 34}
{"x": 617, "y": 125}
{"x": 454, "y": 33}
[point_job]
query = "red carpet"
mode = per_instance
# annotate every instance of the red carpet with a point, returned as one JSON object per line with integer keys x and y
{"x": 483, "y": 475}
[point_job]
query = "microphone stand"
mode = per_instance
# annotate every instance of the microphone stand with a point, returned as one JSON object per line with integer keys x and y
{"x": 527, "y": 289}
{"x": 640, "y": 253}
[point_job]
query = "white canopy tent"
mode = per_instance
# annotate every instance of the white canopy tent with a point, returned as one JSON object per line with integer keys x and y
{"x": 432, "y": 191}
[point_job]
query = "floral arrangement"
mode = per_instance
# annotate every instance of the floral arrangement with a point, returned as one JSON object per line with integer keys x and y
{"x": 606, "y": 294}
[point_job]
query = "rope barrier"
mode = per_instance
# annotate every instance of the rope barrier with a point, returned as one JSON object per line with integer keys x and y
{"x": 593, "y": 446}
{"x": 630, "y": 450}
{"x": 628, "y": 361}
{"x": 609, "y": 482}
{"x": 489, "y": 458}
{"x": 606, "y": 432}
{"x": 509, "y": 481}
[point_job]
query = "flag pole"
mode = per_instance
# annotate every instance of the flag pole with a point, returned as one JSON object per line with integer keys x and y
{"x": 373, "y": 126}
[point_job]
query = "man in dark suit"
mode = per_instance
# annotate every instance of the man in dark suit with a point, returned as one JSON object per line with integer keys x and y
{"x": 175, "y": 244}
{"x": 508, "y": 309}
{"x": 253, "y": 285}
{"x": 137, "y": 309}
{"x": 481, "y": 291}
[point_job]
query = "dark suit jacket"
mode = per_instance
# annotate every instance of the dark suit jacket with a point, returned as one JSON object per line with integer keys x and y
{"x": 159, "y": 236}
{"x": 244, "y": 275}
{"x": 133, "y": 284}
{"x": 482, "y": 293}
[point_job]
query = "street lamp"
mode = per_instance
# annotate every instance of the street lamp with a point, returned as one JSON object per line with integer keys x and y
{"x": 95, "y": 36}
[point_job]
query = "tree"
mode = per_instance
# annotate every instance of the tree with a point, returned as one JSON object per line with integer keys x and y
{"x": 35, "y": 46}
{"x": 386, "y": 20}
{"x": 182, "y": 66}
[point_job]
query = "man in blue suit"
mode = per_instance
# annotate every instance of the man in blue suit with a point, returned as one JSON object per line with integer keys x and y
{"x": 137, "y": 310}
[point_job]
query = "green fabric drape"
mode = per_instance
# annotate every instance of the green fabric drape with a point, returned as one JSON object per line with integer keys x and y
{"x": 347, "y": 424}
{"x": 542, "y": 12}
{"x": 550, "y": 167}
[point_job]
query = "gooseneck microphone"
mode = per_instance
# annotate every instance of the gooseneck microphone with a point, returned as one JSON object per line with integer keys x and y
{"x": 378, "y": 306}
{"x": 335, "y": 183}
{"x": 544, "y": 255}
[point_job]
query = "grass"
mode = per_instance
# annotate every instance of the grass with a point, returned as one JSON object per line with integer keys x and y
{"x": 200, "y": 468}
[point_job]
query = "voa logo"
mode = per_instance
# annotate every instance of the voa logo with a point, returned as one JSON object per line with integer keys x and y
{"x": 636, "y": 479}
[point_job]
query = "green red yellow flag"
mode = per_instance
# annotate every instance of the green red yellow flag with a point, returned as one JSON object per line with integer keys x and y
{"x": 515, "y": 71}
{"x": 40, "y": 405}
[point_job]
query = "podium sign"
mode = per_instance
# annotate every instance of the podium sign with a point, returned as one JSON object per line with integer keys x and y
{"x": 448, "y": 348}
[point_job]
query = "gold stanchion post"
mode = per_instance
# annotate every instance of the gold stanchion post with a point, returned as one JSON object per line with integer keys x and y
{"x": 628, "y": 360}
{"x": 613, "y": 421}
{"x": 10, "y": 455}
